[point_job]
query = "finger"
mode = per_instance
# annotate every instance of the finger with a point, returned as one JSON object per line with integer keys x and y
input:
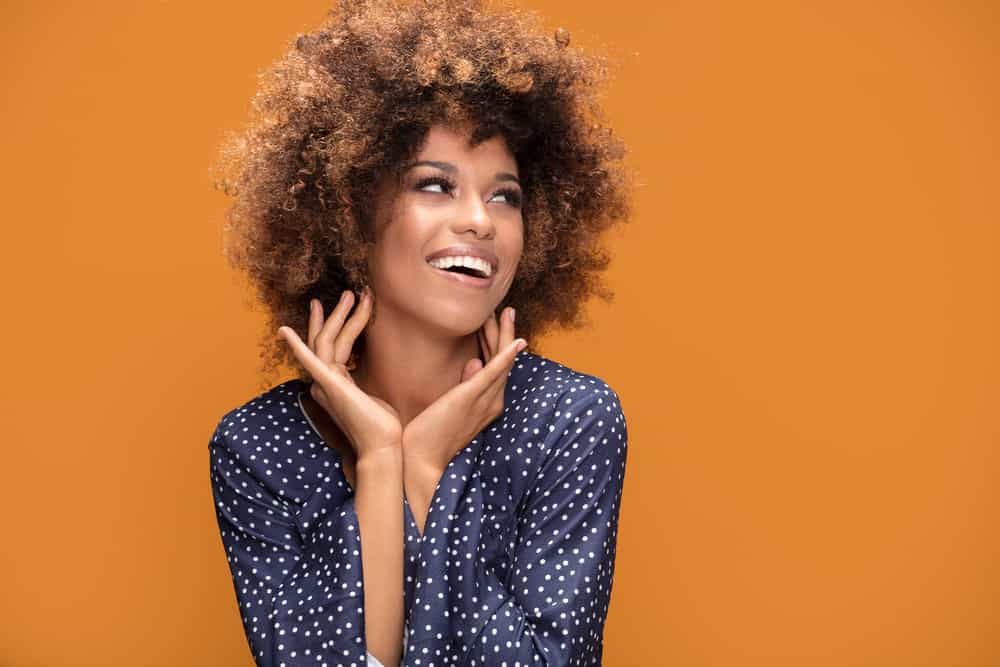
{"x": 324, "y": 341}
{"x": 500, "y": 379}
{"x": 494, "y": 392}
{"x": 506, "y": 328}
{"x": 483, "y": 345}
{"x": 499, "y": 367}
{"x": 313, "y": 364}
{"x": 344, "y": 343}
{"x": 491, "y": 331}
{"x": 315, "y": 321}
{"x": 491, "y": 400}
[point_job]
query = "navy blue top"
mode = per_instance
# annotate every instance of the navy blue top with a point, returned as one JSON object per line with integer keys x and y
{"x": 518, "y": 554}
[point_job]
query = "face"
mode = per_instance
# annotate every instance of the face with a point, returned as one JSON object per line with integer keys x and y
{"x": 454, "y": 204}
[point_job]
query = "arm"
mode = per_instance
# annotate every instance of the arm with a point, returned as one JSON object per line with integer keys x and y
{"x": 558, "y": 591}
{"x": 296, "y": 562}
{"x": 379, "y": 505}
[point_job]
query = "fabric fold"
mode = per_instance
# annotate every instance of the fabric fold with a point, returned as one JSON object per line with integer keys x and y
{"x": 516, "y": 562}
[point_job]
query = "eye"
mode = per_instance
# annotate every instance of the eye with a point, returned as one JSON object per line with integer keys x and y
{"x": 513, "y": 196}
{"x": 445, "y": 184}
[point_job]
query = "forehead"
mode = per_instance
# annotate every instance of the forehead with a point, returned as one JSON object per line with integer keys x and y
{"x": 451, "y": 142}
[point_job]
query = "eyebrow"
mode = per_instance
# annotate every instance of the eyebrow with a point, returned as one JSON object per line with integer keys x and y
{"x": 449, "y": 167}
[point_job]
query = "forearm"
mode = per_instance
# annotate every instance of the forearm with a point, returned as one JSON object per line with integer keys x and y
{"x": 379, "y": 506}
{"x": 420, "y": 478}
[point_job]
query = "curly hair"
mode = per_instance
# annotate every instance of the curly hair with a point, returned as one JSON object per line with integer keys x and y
{"x": 354, "y": 99}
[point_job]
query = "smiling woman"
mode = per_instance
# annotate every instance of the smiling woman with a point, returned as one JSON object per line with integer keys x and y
{"x": 352, "y": 100}
{"x": 425, "y": 491}
{"x": 450, "y": 214}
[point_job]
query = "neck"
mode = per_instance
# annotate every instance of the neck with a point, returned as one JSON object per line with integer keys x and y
{"x": 409, "y": 366}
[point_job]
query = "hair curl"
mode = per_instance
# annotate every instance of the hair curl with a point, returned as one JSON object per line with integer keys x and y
{"x": 354, "y": 98}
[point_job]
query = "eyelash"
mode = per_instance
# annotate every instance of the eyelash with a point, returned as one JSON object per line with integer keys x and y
{"x": 513, "y": 195}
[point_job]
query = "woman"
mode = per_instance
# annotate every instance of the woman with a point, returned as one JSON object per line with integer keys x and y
{"x": 426, "y": 491}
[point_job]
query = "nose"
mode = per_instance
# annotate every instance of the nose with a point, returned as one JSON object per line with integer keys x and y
{"x": 474, "y": 214}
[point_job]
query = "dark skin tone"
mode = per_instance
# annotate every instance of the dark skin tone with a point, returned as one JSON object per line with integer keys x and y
{"x": 376, "y": 474}
{"x": 488, "y": 337}
{"x": 425, "y": 386}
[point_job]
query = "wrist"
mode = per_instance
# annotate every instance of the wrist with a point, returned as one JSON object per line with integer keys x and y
{"x": 381, "y": 457}
{"x": 420, "y": 463}
{"x": 422, "y": 458}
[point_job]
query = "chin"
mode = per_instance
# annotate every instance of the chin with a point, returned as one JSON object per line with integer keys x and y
{"x": 458, "y": 320}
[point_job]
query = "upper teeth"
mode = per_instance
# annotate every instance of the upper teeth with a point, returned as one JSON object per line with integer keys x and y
{"x": 472, "y": 262}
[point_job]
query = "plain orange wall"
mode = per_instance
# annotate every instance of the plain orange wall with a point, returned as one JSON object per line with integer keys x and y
{"x": 804, "y": 337}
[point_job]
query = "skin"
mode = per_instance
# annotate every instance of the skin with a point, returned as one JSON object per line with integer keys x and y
{"x": 436, "y": 359}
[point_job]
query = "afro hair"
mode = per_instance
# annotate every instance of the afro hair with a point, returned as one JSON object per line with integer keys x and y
{"x": 354, "y": 99}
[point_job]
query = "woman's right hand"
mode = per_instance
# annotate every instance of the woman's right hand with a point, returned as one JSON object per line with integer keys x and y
{"x": 368, "y": 422}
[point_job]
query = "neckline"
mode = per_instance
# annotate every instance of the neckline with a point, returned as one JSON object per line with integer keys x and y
{"x": 409, "y": 522}
{"x": 316, "y": 431}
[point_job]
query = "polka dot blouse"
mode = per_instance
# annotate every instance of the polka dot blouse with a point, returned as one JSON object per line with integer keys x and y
{"x": 517, "y": 559}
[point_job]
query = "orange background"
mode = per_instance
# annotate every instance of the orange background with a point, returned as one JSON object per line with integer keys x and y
{"x": 804, "y": 337}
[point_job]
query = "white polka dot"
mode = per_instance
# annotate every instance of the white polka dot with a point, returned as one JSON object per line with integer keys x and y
{"x": 517, "y": 561}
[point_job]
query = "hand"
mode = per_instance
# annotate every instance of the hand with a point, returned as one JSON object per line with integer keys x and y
{"x": 448, "y": 424}
{"x": 368, "y": 422}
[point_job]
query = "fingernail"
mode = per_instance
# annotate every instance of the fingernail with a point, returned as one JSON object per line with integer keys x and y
{"x": 523, "y": 344}
{"x": 511, "y": 314}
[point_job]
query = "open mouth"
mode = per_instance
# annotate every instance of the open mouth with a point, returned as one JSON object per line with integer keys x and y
{"x": 466, "y": 270}
{"x": 468, "y": 275}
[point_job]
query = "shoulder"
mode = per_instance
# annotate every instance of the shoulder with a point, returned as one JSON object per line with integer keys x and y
{"x": 259, "y": 417}
{"x": 564, "y": 432}
{"x": 569, "y": 412}
{"x": 269, "y": 439}
{"x": 540, "y": 372}
{"x": 558, "y": 391}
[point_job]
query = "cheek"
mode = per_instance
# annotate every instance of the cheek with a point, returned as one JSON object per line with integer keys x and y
{"x": 516, "y": 246}
{"x": 399, "y": 249}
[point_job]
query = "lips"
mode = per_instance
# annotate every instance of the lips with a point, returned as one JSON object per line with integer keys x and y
{"x": 471, "y": 251}
{"x": 464, "y": 279}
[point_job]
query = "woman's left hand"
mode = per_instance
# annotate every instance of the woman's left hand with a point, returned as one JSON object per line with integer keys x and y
{"x": 433, "y": 437}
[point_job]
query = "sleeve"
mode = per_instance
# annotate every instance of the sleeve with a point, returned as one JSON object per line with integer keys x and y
{"x": 300, "y": 596}
{"x": 559, "y": 588}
